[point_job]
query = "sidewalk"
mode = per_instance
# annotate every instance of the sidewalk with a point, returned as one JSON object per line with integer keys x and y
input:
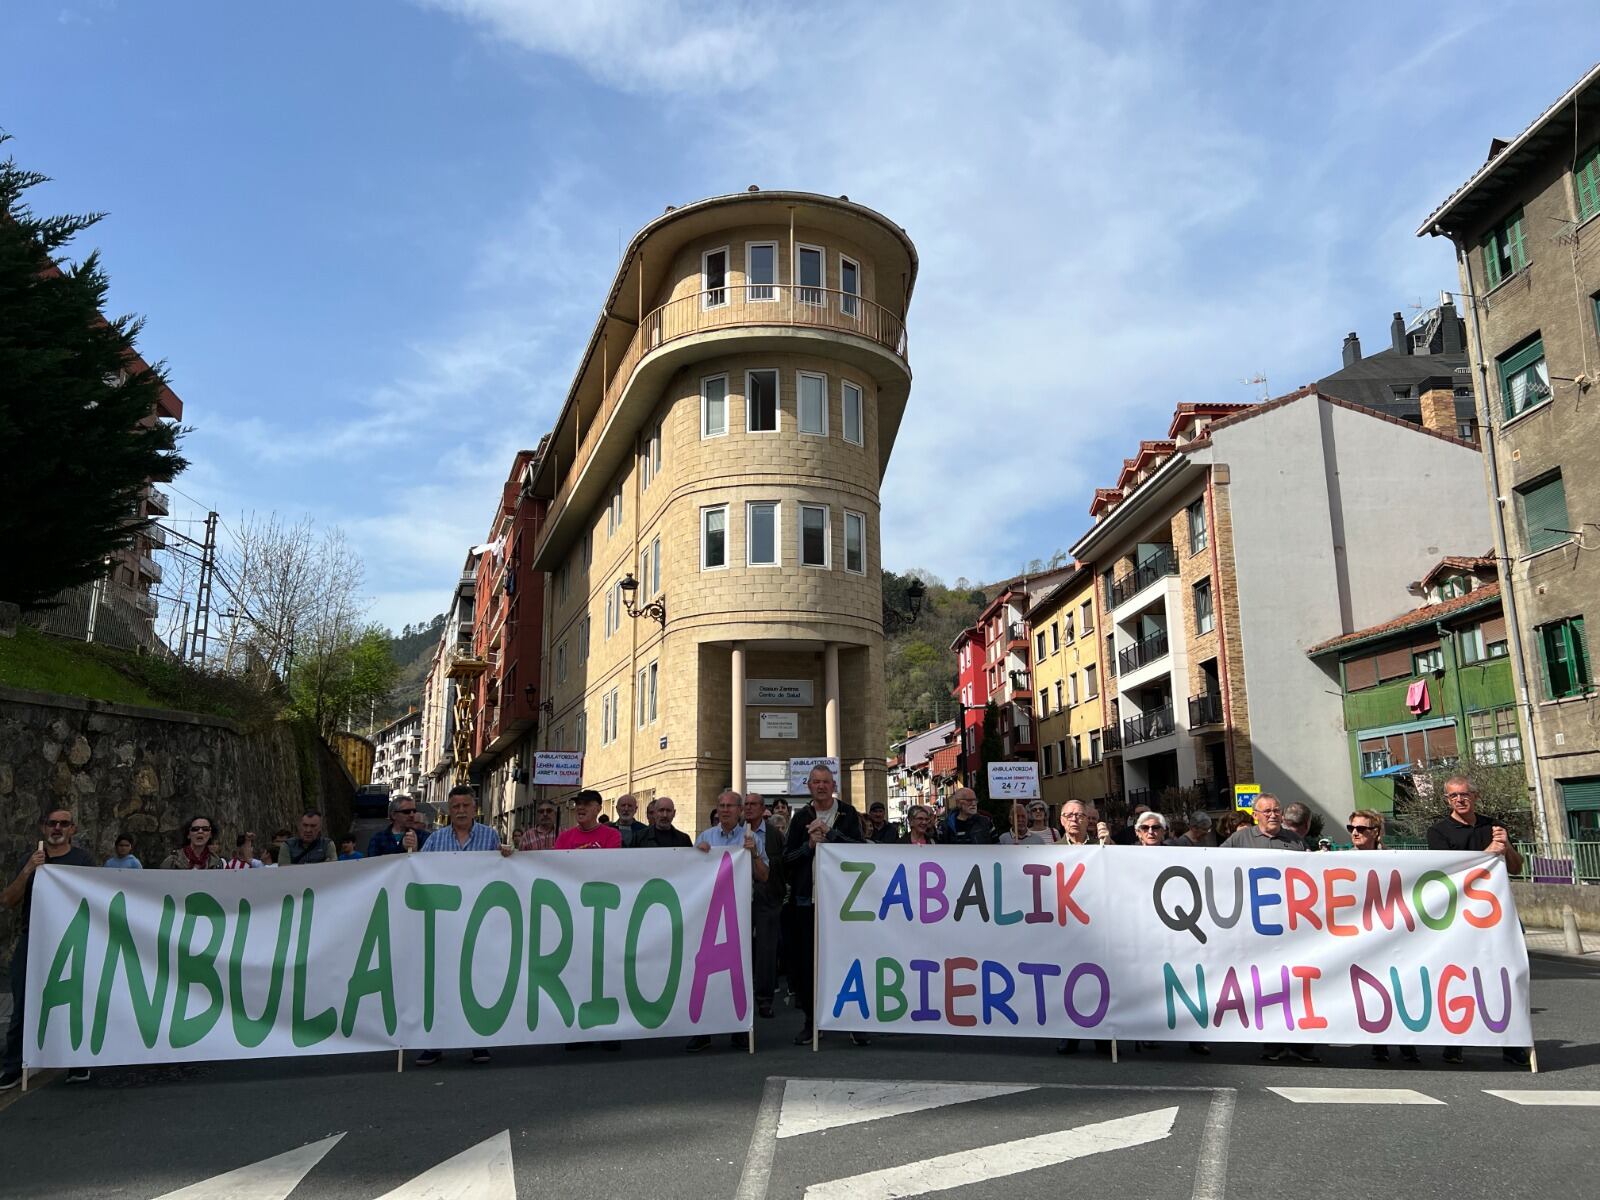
{"x": 1554, "y": 942}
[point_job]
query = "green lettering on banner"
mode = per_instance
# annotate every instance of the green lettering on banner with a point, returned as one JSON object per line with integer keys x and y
{"x": 250, "y": 1031}
{"x": 891, "y": 990}
{"x": 863, "y": 872}
{"x": 197, "y": 970}
{"x": 599, "y": 1009}
{"x": 652, "y": 1013}
{"x": 544, "y": 970}
{"x": 428, "y": 899}
{"x": 148, "y": 1004}
{"x": 1448, "y": 917}
{"x": 306, "y": 1031}
{"x": 487, "y": 1019}
{"x": 60, "y": 988}
{"x": 374, "y": 973}
{"x": 1198, "y": 1009}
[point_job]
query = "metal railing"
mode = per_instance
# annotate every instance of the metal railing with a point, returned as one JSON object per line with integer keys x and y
{"x": 1146, "y": 727}
{"x": 1111, "y": 739}
{"x": 1205, "y": 709}
{"x": 1163, "y": 562}
{"x": 102, "y": 612}
{"x": 727, "y": 307}
{"x": 1143, "y": 652}
{"x": 1559, "y": 862}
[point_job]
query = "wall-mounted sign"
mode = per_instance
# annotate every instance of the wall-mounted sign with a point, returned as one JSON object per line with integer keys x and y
{"x": 558, "y": 768}
{"x": 1014, "y": 780}
{"x": 1244, "y": 796}
{"x": 779, "y": 725}
{"x": 795, "y": 693}
{"x": 800, "y": 773}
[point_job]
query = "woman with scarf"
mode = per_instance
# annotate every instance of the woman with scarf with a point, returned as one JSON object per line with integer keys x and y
{"x": 196, "y": 853}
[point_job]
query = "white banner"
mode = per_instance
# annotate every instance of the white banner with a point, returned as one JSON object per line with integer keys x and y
{"x": 417, "y": 950}
{"x": 1014, "y": 781}
{"x": 1403, "y": 947}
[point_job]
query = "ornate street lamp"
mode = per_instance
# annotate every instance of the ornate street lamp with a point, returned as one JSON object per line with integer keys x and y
{"x": 657, "y": 608}
{"x": 895, "y": 620}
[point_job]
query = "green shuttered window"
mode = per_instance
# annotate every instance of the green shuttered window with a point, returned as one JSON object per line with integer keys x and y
{"x": 1542, "y": 506}
{"x": 1586, "y": 182}
{"x": 1524, "y": 377}
{"x": 1504, "y": 251}
{"x": 1564, "y": 658}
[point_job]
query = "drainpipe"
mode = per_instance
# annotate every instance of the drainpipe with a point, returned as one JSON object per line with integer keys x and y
{"x": 1508, "y": 591}
{"x": 1447, "y": 643}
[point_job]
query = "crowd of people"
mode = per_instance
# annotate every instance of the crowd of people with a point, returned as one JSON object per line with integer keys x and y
{"x": 782, "y": 845}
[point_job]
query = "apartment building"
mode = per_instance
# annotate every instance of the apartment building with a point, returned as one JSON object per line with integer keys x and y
{"x": 397, "y": 755}
{"x": 1526, "y": 232}
{"x": 1226, "y": 550}
{"x": 449, "y": 694}
{"x": 972, "y": 694}
{"x": 1079, "y": 746}
{"x": 910, "y": 775}
{"x": 711, "y": 543}
{"x": 1425, "y": 357}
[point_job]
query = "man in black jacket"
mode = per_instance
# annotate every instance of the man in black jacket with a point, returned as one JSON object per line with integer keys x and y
{"x": 825, "y": 819}
{"x": 661, "y": 835}
{"x": 965, "y": 825}
{"x": 766, "y": 902}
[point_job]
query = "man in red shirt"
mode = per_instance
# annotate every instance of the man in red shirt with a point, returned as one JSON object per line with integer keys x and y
{"x": 588, "y": 833}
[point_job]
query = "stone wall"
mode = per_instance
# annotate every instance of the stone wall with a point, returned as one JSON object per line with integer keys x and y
{"x": 1539, "y": 904}
{"x": 146, "y": 772}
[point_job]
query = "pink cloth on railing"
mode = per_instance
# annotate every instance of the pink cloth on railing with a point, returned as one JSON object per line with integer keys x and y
{"x": 1417, "y": 697}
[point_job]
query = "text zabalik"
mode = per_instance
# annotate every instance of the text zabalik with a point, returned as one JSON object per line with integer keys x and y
{"x": 1170, "y": 944}
{"x": 406, "y": 951}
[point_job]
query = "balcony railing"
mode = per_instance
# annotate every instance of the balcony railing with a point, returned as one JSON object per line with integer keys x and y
{"x": 1163, "y": 562}
{"x": 1017, "y": 634}
{"x": 729, "y": 307}
{"x": 1146, "y": 727}
{"x": 1111, "y": 740}
{"x": 1205, "y": 709}
{"x": 1145, "y": 650}
{"x": 156, "y": 502}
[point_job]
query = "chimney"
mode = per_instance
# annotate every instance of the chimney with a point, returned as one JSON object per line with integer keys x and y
{"x": 1439, "y": 406}
{"x": 1397, "y": 335}
{"x": 1352, "y": 349}
{"x": 1453, "y": 328}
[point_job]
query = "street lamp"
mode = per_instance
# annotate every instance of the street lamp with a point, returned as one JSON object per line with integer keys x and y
{"x": 657, "y": 608}
{"x": 893, "y": 619}
{"x": 530, "y": 693}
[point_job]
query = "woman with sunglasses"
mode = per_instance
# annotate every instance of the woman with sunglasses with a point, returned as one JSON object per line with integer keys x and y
{"x": 1365, "y": 828}
{"x": 1151, "y": 830}
{"x": 197, "y": 852}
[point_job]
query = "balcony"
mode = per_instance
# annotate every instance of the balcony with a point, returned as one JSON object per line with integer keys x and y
{"x": 156, "y": 502}
{"x": 1147, "y": 727}
{"x": 149, "y": 568}
{"x": 1143, "y": 652}
{"x": 1111, "y": 740}
{"x": 1162, "y": 563}
{"x": 872, "y": 333}
{"x": 156, "y": 536}
{"x": 1205, "y": 709}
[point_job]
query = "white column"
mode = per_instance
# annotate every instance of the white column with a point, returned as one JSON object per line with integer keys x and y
{"x": 737, "y": 741}
{"x": 830, "y": 698}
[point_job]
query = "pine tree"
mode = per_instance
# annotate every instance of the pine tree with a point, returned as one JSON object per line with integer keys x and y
{"x": 78, "y": 438}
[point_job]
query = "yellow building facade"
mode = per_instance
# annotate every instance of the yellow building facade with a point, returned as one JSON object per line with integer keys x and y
{"x": 1072, "y": 701}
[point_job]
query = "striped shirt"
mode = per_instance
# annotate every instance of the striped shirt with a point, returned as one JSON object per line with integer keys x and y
{"x": 481, "y": 838}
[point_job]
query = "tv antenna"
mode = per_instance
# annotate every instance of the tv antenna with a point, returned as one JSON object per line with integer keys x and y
{"x": 1258, "y": 380}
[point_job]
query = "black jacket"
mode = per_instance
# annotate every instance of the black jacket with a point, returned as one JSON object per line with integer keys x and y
{"x": 658, "y": 839}
{"x": 774, "y": 889}
{"x": 797, "y": 853}
{"x": 977, "y": 832}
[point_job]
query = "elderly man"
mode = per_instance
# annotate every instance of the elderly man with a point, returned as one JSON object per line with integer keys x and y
{"x": 1268, "y": 832}
{"x": 825, "y": 819}
{"x": 766, "y": 901}
{"x": 1075, "y": 826}
{"x": 545, "y": 828}
{"x": 1032, "y": 828}
{"x": 1198, "y": 833}
{"x": 308, "y": 846}
{"x": 401, "y": 835}
{"x": 964, "y": 825}
{"x": 1464, "y": 828}
{"x": 728, "y": 832}
{"x": 662, "y": 835}
{"x": 1297, "y": 820}
{"x": 627, "y": 822}
{"x": 589, "y": 832}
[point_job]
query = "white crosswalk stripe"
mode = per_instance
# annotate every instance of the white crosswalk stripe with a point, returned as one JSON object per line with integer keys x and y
{"x": 481, "y": 1173}
{"x": 270, "y": 1179}
{"x": 1551, "y": 1097}
{"x": 1351, "y": 1095}
{"x": 812, "y": 1105}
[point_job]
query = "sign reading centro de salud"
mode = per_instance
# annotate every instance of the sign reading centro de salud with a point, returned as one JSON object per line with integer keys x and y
{"x": 795, "y": 693}
{"x": 1014, "y": 781}
{"x": 558, "y": 768}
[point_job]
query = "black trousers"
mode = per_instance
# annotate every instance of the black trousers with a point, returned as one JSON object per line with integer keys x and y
{"x": 765, "y": 917}
{"x": 19, "y": 989}
{"x": 799, "y": 926}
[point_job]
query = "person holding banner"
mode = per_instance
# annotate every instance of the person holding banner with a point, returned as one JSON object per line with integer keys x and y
{"x": 544, "y": 833}
{"x": 1076, "y": 820}
{"x": 1365, "y": 827}
{"x": 727, "y": 832}
{"x": 627, "y": 823}
{"x": 401, "y": 836}
{"x": 56, "y": 827}
{"x": 825, "y": 819}
{"x": 309, "y": 846}
{"x": 766, "y": 902}
{"x": 662, "y": 835}
{"x": 1029, "y": 826}
{"x": 197, "y": 852}
{"x": 590, "y": 833}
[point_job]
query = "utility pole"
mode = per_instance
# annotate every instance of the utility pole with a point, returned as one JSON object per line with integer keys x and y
{"x": 202, "y": 603}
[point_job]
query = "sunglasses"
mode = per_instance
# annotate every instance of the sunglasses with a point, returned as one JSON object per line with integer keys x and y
{"x": 57, "y": 824}
{"x": 405, "y": 812}
{"x": 1149, "y": 829}
{"x": 1361, "y": 828}
{"x": 199, "y": 829}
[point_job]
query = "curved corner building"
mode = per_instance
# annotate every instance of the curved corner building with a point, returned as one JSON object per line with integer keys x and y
{"x": 723, "y": 444}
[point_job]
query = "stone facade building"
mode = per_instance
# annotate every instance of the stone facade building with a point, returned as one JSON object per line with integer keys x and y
{"x": 714, "y": 600}
{"x": 1526, "y": 230}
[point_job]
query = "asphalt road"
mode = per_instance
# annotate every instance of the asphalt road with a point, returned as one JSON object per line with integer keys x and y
{"x": 971, "y": 1119}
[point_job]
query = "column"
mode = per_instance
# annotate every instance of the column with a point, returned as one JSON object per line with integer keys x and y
{"x": 736, "y": 743}
{"x": 830, "y": 701}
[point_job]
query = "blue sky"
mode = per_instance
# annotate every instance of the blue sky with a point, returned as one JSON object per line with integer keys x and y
{"x": 370, "y": 236}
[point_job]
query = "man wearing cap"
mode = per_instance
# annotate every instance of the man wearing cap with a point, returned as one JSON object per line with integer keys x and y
{"x": 876, "y": 825}
{"x": 1035, "y": 832}
{"x": 589, "y": 833}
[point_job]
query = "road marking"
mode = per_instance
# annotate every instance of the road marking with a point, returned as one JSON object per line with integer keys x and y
{"x": 812, "y": 1105}
{"x": 481, "y": 1173}
{"x": 1311, "y": 1095}
{"x": 1211, "y": 1173}
{"x": 763, "y": 1143}
{"x": 270, "y": 1179}
{"x": 1549, "y": 1097}
{"x": 997, "y": 1162}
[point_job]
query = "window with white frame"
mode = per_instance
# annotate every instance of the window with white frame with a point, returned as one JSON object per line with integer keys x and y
{"x": 583, "y": 639}
{"x": 714, "y": 278}
{"x": 714, "y": 406}
{"x": 641, "y": 702}
{"x": 855, "y": 543}
{"x": 644, "y": 570}
{"x": 656, "y": 453}
{"x": 587, "y": 549}
{"x": 1060, "y": 695}
{"x": 849, "y": 286}
{"x": 811, "y": 402}
{"x": 558, "y": 736}
{"x": 654, "y": 581}
{"x": 761, "y": 270}
{"x": 850, "y": 408}
{"x": 1055, "y": 634}
{"x": 811, "y": 274}
{"x": 1038, "y": 648}
{"x": 814, "y": 548}
{"x": 1072, "y": 688}
{"x": 561, "y": 662}
{"x": 761, "y": 534}
{"x": 761, "y": 401}
{"x": 1049, "y": 760}
{"x": 1091, "y": 684}
{"x": 614, "y": 519}
{"x": 714, "y": 538}
{"x": 611, "y": 611}
{"x": 605, "y": 719}
{"x": 1094, "y": 747}
{"x": 581, "y": 725}
{"x": 1044, "y": 702}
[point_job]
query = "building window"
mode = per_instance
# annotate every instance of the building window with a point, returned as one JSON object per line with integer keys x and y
{"x": 714, "y": 278}
{"x": 1563, "y": 658}
{"x": 1038, "y": 652}
{"x": 1059, "y": 694}
{"x": 761, "y": 270}
{"x": 646, "y": 692}
{"x": 855, "y": 543}
{"x": 1091, "y": 682}
{"x": 561, "y": 663}
{"x": 561, "y": 584}
{"x": 814, "y": 548}
{"x": 1094, "y": 747}
{"x": 1453, "y": 586}
{"x": 714, "y": 406}
{"x": 1524, "y": 377}
{"x": 812, "y": 274}
{"x": 587, "y": 549}
{"x": 655, "y": 565}
{"x": 713, "y": 537}
{"x": 761, "y": 534}
{"x": 614, "y": 511}
{"x": 1586, "y": 181}
{"x": 1044, "y": 702}
{"x": 1504, "y": 252}
{"x": 644, "y": 570}
{"x": 849, "y": 286}
{"x": 583, "y": 639}
{"x": 1475, "y": 646}
{"x": 1086, "y": 617}
{"x": 761, "y": 401}
{"x": 1373, "y": 761}
{"x": 611, "y": 610}
{"x": 1425, "y": 662}
{"x": 1495, "y": 737}
{"x": 1542, "y": 511}
{"x": 850, "y": 405}
{"x": 1204, "y": 618}
{"x": 1049, "y": 759}
{"x": 1055, "y": 633}
{"x": 1197, "y": 526}
{"x": 811, "y": 402}
{"x": 581, "y": 725}
{"x": 605, "y": 719}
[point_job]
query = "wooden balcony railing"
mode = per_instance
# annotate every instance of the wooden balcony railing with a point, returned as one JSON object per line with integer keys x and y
{"x": 730, "y": 307}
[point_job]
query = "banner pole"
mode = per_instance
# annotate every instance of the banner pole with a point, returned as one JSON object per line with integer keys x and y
{"x": 816, "y": 946}
{"x": 399, "y": 1062}
{"x": 24, "y": 1081}
{"x": 1113, "y": 1050}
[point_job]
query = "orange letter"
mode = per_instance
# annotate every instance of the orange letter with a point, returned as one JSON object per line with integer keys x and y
{"x": 1332, "y": 903}
{"x": 1471, "y": 893}
{"x": 1305, "y": 975}
{"x": 1300, "y": 906}
{"x": 1461, "y": 1005}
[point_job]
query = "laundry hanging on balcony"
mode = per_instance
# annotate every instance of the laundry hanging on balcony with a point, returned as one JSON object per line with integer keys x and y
{"x": 1417, "y": 697}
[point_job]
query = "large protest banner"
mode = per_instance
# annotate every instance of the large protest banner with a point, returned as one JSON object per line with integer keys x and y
{"x": 1170, "y": 944}
{"x": 418, "y": 950}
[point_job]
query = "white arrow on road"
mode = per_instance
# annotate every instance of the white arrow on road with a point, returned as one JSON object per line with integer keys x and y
{"x": 996, "y": 1162}
{"x": 271, "y": 1179}
{"x": 812, "y": 1105}
{"x": 481, "y": 1173}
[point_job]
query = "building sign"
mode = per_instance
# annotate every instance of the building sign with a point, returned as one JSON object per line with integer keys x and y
{"x": 557, "y": 769}
{"x": 1014, "y": 780}
{"x": 779, "y": 725}
{"x": 793, "y": 692}
{"x": 1244, "y": 796}
{"x": 800, "y": 772}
